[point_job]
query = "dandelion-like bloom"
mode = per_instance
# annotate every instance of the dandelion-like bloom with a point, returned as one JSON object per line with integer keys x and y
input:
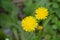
{"x": 40, "y": 27}
{"x": 41, "y": 13}
{"x": 29, "y": 24}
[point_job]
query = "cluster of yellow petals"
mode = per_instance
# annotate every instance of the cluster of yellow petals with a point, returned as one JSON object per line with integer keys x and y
{"x": 41, "y": 13}
{"x": 29, "y": 23}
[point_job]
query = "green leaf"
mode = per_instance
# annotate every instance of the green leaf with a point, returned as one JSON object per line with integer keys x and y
{"x": 58, "y": 12}
{"x": 58, "y": 0}
{"x": 54, "y": 19}
{"x": 7, "y": 5}
{"x": 46, "y": 21}
{"x": 58, "y": 24}
{"x": 55, "y": 5}
{"x": 2, "y": 35}
{"x": 47, "y": 37}
{"x": 28, "y": 9}
{"x": 54, "y": 37}
{"x": 12, "y": 10}
{"x": 5, "y": 20}
{"x": 14, "y": 14}
{"x": 54, "y": 27}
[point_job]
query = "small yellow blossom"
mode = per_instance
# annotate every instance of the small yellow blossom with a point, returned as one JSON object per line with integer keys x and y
{"x": 41, "y": 13}
{"x": 40, "y": 27}
{"x": 29, "y": 23}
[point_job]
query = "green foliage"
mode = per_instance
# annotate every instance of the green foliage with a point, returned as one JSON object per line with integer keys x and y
{"x": 5, "y": 20}
{"x": 2, "y": 35}
{"x": 51, "y": 25}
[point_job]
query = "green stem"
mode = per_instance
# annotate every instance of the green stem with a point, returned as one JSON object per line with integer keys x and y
{"x": 21, "y": 32}
{"x": 15, "y": 33}
{"x": 46, "y": 21}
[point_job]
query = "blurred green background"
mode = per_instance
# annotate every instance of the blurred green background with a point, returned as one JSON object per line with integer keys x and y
{"x": 12, "y": 12}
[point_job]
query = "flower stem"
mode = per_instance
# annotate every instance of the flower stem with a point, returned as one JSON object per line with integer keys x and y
{"x": 15, "y": 33}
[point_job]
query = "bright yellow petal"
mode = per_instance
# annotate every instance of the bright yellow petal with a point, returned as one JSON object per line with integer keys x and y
{"x": 41, "y": 13}
{"x": 29, "y": 24}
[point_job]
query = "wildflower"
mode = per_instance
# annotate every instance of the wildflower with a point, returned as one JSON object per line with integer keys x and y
{"x": 40, "y": 27}
{"x": 41, "y": 13}
{"x": 29, "y": 24}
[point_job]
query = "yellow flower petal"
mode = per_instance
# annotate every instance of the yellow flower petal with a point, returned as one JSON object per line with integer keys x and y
{"x": 41, "y": 13}
{"x": 29, "y": 24}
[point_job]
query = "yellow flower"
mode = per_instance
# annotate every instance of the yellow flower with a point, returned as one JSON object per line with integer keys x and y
{"x": 40, "y": 27}
{"x": 41, "y": 13}
{"x": 29, "y": 24}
